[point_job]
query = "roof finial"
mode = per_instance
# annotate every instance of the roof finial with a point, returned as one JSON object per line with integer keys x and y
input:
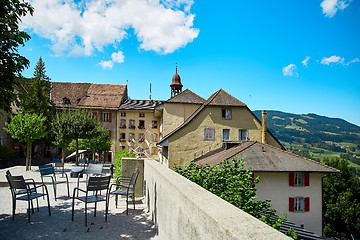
{"x": 176, "y": 68}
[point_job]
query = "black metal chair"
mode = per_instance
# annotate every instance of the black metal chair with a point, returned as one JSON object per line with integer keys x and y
{"x": 94, "y": 185}
{"x": 21, "y": 190}
{"x": 125, "y": 186}
{"x": 59, "y": 166}
{"x": 49, "y": 171}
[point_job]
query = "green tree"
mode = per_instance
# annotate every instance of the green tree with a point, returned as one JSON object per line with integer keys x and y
{"x": 74, "y": 125}
{"x": 27, "y": 128}
{"x": 97, "y": 144}
{"x": 61, "y": 129}
{"x": 230, "y": 182}
{"x": 341, "y": 200}
{"x": 11, "y": 62}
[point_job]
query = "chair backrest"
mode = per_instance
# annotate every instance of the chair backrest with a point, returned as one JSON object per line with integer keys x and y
{"x": 94, "y": 169}
{"x": 47, "y": 169}
{"x": 98, "y": 183}
{"x": 134, "y": 178}
{"x": 16, "y": 182}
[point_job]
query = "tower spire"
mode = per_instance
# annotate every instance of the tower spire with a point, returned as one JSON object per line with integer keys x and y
{"x": 176, "y": 86}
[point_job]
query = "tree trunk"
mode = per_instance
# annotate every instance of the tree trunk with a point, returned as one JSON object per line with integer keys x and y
{"x": 62, "y": 155}
{"x": 77, "y": 152}
{"x": 28, "y": 155}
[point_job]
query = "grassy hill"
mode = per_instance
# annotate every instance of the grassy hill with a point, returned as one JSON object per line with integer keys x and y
{"x": 315, "y": 136}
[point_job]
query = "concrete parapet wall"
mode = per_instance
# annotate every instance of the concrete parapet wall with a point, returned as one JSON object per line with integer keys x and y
{"x": 183, "y": 210}
{"x": 128, "y": 166}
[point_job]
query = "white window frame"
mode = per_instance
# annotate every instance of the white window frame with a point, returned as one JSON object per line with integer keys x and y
{"x": 141, "y": 115}
{"x": 209, "y": 134}
{"x": 123, "y": 114}
{"x": 223, "y": 134}
{"x": 241, "y": 137}
{"x": 123, "y": 123}
{"x": 106, "y": 117}
{"x": 299, "y": 204}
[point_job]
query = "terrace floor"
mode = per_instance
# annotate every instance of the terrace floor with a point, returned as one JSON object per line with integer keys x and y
{"x": 136, "y": 225}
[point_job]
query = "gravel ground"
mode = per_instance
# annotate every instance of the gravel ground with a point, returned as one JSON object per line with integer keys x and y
{"x": 136, "y": 225}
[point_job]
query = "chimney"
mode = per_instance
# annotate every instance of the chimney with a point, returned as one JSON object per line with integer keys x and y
{"x": 263, "y": 126}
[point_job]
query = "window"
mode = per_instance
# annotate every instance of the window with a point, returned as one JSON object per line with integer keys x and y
{"x": 141, "y": 137}
{"x": 226, "y": 134}
{"x": 122, "y": 147}
{"x": 106, "y": 117}
{"x": 132, "y": 124}
{"x": 122, "y": 123}
{"x": 122, "y": 137}
{"x": 131, "y": 136}
{"x": 141, "y": 124}
{"x": 94, "y": 115}
{"x": 243, "y": 134}
{"x": 123, "y": 114}
{"x": 209, "y": 134}
{"x": 299, "y": 179}
{"x": 141, "y": 114}
{"x": 66, "y": 101}
{"x": 154, "y": 124}
{"x": 226, "y": 113}
{"x": 299, "y": 204}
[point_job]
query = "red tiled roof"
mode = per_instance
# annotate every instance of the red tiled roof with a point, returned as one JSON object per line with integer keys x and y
{"x": 261, "y": 157}
{"x": 88, "y": 95}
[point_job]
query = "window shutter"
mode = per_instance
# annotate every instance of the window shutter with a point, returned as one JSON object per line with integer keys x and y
{"x": 307, "y": 204}
{"x": 253, "y": 178}
{"x": 109, "y": 117}
{"x": 95, "y": 116}
{"x": 291, "y": 204}
{"x": 291, "y": 179}
{"x": 307, "y": 179}
{"x": 101, "y": 116}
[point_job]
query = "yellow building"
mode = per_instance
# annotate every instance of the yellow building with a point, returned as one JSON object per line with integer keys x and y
{"x": 220, "y": 122}
{"x": 138, "y": 125}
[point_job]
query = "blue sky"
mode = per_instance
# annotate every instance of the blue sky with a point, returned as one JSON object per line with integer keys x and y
{"x": 295, "y": 56}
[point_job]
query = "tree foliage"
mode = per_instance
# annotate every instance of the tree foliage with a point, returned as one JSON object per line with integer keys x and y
{"x": 341, "y": 200}
{"x": 11, "y": 62}
{"x": 73, "y": 125}
{"x": 229, "y": 181}
{"x": 35, "y": 97}
{"x": 27, "y": 128}
{"x": 117, "y": 161}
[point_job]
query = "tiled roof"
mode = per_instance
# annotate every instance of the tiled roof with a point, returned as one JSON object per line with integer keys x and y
{"x": 88, "y": 95}
{"x": 139, "y": 105}
{"x": 261, "y": 157}
{"x": 187, "y": 96}
{"x": 223, "y": 98}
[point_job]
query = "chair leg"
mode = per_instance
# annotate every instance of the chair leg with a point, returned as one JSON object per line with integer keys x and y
{"x": 47, "y": 195}
{"x": 127, "y": 204}
{"x": 54, "y": 187}
{"x": 116, "y": 200}
{"x": 133, "y": 200}
{"x": 106, "y": 208}
{"x": 85, "y": 213}
{"x": 95, "y": 209}
{"x": 73, "y": 203}
{"x": 29, "y": 210}
{"x": 68, "y": 186}
{"x": 14, "y": 206}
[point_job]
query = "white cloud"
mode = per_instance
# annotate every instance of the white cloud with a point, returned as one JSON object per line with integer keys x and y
{"x": 87, "y": 26}
{"x": 290, "y": 70}
{"x": 355, "y": 60}
{"x": 118, "y": 57}
{"x": 305, "y": 61}
{"x": 330, "y": 7}
{"x": 332, "y": 59}
{"x": 106, "y": 64}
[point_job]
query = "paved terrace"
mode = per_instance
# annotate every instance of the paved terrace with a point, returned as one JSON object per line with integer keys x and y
{"x": 136, "y": 225}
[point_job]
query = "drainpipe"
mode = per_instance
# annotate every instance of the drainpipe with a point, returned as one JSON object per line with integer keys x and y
{"x": 264, "y": 127}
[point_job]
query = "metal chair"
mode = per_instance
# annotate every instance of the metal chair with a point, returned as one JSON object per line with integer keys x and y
{"x": 58, "y": 165}
{"x": 93, "y": 170}
{"x": 125, "y": 186}
{"x": 21, "y": 190}
{"x": 49, "y": 171}
{"x": 95, "y": 184}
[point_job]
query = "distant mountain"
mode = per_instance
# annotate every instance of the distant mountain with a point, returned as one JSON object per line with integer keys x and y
{"x": 314, "y": 136}
{"x": 289, "y": 127}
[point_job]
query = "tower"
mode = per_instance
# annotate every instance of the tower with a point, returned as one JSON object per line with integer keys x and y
{"x": 176, "y": 86}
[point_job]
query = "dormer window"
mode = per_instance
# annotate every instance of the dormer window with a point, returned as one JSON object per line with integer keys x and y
{"x": 66, "y": 101}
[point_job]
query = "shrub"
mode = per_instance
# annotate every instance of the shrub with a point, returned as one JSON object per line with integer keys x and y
{"x": 117, "y": 161}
